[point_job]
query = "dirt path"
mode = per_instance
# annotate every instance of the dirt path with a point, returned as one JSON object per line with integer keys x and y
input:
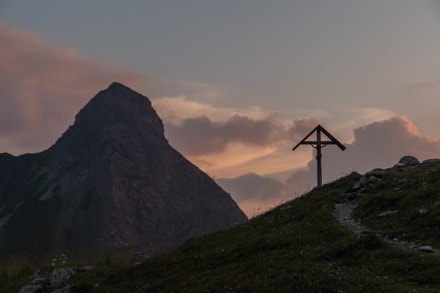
{"x": 344, "y": 214}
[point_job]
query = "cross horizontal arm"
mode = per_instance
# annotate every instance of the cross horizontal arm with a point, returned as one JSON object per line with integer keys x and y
{"x": 315, "y": 142}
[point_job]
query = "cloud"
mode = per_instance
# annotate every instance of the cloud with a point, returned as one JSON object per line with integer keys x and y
{"x": 43, "y": 86}
{"x": 254, "y": 193}
{"x": 240, "y": 144}
{"x": 228, "y": 141}
{"x": 201, "y": 135}
{"x": 176, "y": 109}
{"x": 382, "y": 144}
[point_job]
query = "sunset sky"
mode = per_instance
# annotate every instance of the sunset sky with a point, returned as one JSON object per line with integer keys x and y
{"x": 237, "y": 83}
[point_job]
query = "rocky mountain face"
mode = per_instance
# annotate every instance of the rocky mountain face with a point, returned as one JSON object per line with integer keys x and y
{"x": 110, "y": 182}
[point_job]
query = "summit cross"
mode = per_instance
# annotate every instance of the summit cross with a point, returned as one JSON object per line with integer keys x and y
{"x": 318, "y": 144}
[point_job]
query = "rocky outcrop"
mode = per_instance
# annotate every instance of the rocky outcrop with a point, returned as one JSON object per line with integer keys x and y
{"x": 110, "y": 182}
{"x": 407, "y": 161}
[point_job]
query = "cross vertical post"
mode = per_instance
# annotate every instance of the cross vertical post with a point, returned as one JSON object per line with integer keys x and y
{"x": 318, "y": 144}
{"x": 319, "y": 156}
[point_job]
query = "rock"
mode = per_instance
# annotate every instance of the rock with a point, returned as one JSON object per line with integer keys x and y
{"x": 87, "y": 268}
{"x": 352, "y": 195}
{"x": 378, "y": 172}
{"x": 373, "y": 179}
{"x": 84, "y": 269}
{"x": 408, "y": 161}
{"x": 65, "y": 289}
{"x": 427, "y": 249}
{"x": 431, "y": 161}
{"x": 387, "y": 213}
{"x": 139, "y": 257}
{"x": 60, "y": 276}
{"x": 358, "y": 186}
{"x": 37, "y": 281}
{"x": 423, "y": 211}
{"x": 32, "y": 289}
{"x": 38, "y": 274}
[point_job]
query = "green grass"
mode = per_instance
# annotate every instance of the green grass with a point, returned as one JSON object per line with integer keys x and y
{"x": 14, "y": 272}
{"x": 406, "y": 192}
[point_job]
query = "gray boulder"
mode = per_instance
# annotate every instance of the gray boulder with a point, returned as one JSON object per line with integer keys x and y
{"x": 32, "y": 289}
{"x": 373, "y": 179}
{"x": 387, "y": 213}
{"x": 65, "y": 289}
{"x": 426, "y": 248}
{"x": 378, "y": 172}
{"x": 60, "y": 276}
{"x": 408, "y": 161}
{"x": 37, "y": 281}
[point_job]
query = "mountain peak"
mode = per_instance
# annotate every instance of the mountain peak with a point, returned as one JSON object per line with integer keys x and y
{"x": 119, "y": 88}
{"x": 117, "y": 113}
{"x": 118, "y": 97}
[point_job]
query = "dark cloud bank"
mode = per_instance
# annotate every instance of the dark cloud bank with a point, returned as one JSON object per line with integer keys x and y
{"x": 200, "y": 135}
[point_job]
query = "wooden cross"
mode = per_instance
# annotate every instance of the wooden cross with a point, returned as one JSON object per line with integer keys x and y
{"x": 318, "y": 144}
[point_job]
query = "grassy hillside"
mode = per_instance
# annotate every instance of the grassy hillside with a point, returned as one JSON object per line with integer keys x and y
{"x": 300, "y": 246}
{"x": 296, "y": 246}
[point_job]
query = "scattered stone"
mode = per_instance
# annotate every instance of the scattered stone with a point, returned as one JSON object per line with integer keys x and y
{"x": 32, "y": 289}
{"x": 373, "y": 179}
{"x": 423, "y": 211}
{"x": 352, "y": 196}
{"x": 427, "y": 249}
{"x": 65, "y": 289}
{"x": 37, "y": 281}
{"x": 378, "y": 172}
{"x": 387, "y": 213}
{"x": 360, "y": 185}
{"x": 84, "y": 269}
{"x": 60, "y": 276}
{"x": 38, "y": 274}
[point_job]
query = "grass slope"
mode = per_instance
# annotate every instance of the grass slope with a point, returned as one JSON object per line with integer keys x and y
{"x": 415, "y": 194}
{"x": 295, "y": 247}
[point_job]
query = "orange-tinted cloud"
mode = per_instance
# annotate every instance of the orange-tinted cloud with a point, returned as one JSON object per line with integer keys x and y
{"x": 42, "y": 87}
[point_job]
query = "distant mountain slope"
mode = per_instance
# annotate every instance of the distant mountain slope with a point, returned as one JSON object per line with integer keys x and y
{"x": 111, "y": 182}
{"x": 300, "y": 246}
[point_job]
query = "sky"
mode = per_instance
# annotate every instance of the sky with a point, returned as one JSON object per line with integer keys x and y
{"x": 237, "y": 83}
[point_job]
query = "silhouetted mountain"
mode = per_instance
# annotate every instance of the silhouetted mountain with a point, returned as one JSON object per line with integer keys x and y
{"x": 110, "y": 182}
